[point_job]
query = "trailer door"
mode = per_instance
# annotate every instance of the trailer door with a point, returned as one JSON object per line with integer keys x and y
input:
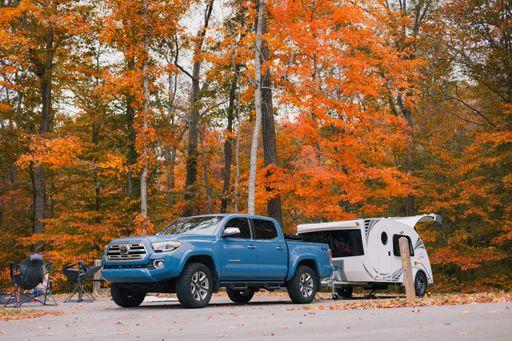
{"x": 385, "y": 247}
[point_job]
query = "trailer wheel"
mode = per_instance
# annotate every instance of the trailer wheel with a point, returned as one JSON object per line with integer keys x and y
{"x": 420, "y": 284}
{"x": 125, "y": 298}
{"x": 303, "y": 286}
{"x": 345, "y": 291}
{"x": 240, "y": 296}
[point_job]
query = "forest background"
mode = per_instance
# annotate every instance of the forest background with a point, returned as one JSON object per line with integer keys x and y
{"x": 119, "y": 116}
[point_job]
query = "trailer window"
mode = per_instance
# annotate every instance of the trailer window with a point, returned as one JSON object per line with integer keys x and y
{"x": 343, "y": 243}
{"x": 396, "y": 245}
{"x": 384, "y": 238}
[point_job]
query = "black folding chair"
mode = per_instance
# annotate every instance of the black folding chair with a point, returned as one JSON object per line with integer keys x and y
{"x": 32, "y": 282}
{"x": 78, "y": 273}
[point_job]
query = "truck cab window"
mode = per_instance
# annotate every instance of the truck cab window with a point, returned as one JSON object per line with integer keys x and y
{"x": 264, "y": 229}
{"x": 243, "y": 225}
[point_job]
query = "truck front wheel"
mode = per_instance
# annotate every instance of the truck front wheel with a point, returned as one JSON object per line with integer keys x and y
{"x": 303, "y": 286}
{"x": 240, "y": 296}
{"x": 194, "y": 286}
{"x": 125, "y": 298}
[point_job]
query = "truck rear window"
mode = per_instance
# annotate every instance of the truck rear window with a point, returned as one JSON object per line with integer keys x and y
{"x": 264, "y": 229}
{"x": 343, "y": 243}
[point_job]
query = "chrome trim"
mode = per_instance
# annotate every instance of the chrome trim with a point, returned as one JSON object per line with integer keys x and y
{"x": 132, "y": 251}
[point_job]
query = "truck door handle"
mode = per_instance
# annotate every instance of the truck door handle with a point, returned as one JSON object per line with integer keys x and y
{"x": 279, "y": 248}
{"x": 251, "y": 247}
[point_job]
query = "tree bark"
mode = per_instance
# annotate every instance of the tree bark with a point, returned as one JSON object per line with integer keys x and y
{"x": 193, "y": 119}
{"x": 268, "y": 127}
{"x": 228, "y": 145}
{"x": 258, "y": 106}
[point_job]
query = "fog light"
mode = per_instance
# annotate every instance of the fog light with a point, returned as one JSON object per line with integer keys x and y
{"x": 158, "y": 263}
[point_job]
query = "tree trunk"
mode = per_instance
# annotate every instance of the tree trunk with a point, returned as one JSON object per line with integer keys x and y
{"x": 191, "y": 165}
{"x": 45, "y": 74}
{"x": 409, "y": 163}
{"x": 268, "y": 127}
{"x": 193, "y": 119}
{"x": 258, "y": 106}
{"x": 237, "y": 170}
{"x": 145, "y": 113}
{"x": 206, "y": 181}
{"x": 39, "y": 197}
{"x": 131, "y": 153}
{"x": 228, "y": 146}
{"x": 170, "y": 160}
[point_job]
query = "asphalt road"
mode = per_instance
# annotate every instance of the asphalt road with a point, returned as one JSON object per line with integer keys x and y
{"x": 267, "y": 317}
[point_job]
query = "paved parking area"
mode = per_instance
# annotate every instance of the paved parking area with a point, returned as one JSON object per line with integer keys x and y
{"x": 267, "y": 317}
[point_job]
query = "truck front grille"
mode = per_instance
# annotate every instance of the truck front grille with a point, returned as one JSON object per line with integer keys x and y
{"x": 126, "y": 251}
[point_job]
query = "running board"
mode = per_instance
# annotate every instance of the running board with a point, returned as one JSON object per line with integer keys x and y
{"x": 270, "y": 286}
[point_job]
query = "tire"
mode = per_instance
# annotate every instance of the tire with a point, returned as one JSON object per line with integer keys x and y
{"x": 303, "y": 286}
{"x": 126, "y": 298}
{"x": 194, "y": 286}
{"x": 240, "y": 296}
{"x": 420, "y": 284}
{"x": 345, "y": 291}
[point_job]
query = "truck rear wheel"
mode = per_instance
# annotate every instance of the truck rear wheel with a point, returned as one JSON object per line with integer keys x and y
{"x": 303, "y": 286}
{"x": 194, "y": 286}
{"x": 240, "y": 296}
{"x": 125, "y": 298}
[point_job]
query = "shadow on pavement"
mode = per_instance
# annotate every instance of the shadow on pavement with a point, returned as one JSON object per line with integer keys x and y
{"x": 176, "y": 305}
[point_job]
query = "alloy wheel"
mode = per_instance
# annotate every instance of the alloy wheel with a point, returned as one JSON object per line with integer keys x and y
{"x": 306, "y": 284}
{"x": 199, "y": 286}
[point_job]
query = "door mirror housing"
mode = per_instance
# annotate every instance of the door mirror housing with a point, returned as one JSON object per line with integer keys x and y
{"x": 231, "y": 232}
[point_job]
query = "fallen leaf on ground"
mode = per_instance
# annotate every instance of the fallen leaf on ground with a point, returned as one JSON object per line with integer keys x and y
{"x": 9, "y": 314}
{"x": 437, "y": 300}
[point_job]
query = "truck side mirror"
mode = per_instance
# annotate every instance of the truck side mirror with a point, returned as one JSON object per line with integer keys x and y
{"x": 231, "y": 232}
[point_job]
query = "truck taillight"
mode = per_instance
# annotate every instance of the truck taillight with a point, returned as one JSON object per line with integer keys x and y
{"x": 329, "y": 252}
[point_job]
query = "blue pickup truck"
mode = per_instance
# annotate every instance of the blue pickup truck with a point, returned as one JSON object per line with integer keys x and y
{"x": 196, "y": 256}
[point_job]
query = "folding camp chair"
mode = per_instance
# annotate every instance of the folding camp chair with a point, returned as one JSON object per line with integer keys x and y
{"x": 32, "y": 282}
{"x": 78, "y": 273}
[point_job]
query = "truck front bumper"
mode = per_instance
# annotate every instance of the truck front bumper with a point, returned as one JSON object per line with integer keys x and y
{"x": 126, "y": 272}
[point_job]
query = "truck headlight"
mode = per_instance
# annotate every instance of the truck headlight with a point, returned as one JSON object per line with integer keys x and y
{"x": 165, "y": 246}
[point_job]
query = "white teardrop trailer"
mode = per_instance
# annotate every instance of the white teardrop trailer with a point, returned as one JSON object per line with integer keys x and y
{"x": 366, "y": 252}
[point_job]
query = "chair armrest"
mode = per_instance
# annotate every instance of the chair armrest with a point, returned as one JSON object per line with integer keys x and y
{"x": 69, "y": 266}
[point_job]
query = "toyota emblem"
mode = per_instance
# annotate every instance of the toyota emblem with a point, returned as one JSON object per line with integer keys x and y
{"x": 124, "y": 249}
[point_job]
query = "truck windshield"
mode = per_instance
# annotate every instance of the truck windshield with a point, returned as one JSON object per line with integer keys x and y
{"x": 193, "y": 225}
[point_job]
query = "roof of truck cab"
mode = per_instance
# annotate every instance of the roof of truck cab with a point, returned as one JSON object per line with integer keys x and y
{"x": 223, "y": 215}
